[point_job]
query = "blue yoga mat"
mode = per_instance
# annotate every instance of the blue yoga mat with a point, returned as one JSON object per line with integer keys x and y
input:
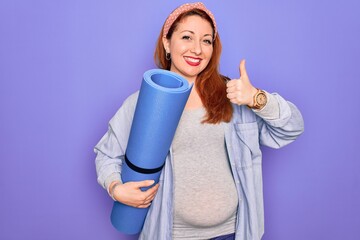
{"x": 162, "y": 98}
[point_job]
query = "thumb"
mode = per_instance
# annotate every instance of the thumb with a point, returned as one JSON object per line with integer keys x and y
{"x": 145, "y": 183}
{"x": 242, "y": 69}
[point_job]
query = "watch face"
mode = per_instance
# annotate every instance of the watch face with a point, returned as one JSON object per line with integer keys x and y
{"x": 261, "y": 99}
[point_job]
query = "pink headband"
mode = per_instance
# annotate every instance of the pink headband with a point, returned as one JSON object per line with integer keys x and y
{"x": 185, "y": 8}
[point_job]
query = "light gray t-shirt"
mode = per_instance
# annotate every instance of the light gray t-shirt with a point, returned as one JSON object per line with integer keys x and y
{"x": 205, "y": 197}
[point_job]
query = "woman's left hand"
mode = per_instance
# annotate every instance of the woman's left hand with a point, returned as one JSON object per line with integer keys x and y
{"x": 240, "y": 91}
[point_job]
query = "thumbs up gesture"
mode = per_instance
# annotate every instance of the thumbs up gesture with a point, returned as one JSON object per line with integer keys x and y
{"x": 240, "y": 91}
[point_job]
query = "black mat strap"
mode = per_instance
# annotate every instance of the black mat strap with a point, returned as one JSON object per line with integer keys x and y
{"x": 142, "y": 170}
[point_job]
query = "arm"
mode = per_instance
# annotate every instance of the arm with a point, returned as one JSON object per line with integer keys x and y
{"x": 109, "y": 157}
{"x": 108, "y": 161}
{"x": 279, "y": 121}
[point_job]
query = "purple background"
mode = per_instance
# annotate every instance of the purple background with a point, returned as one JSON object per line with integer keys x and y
{"x": 66, "y": 67}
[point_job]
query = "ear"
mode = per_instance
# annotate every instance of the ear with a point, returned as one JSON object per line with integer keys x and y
{"x": 166, "y": 44}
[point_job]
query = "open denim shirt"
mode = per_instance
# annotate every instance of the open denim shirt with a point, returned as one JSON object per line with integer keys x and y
{"x": 243, "y": 136}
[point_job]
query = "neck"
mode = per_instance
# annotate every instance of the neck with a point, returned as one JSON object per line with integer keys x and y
{"x": 194, "y": 100}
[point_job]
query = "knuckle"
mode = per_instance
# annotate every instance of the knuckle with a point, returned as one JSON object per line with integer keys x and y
{"x": 231, "y": 83}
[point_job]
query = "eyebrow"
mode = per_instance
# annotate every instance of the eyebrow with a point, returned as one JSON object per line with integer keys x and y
{"x": 208, "y": 34}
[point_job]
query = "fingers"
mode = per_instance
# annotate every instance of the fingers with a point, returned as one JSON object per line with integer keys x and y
{"x": 130, "y": 193}
{"x": 232, "y": 96}
{"x": 234, "y": 89}
{"x": 146, "y": 183}
{"x": 147, "y": 197}
{"x": 152, "y": 191}
{"x": 144, "y": 206}
{"x": 149, "y": 193}
{"x": 233, "y": 86}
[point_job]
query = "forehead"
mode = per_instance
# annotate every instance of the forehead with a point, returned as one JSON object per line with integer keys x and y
{"x": 194, "y": 23}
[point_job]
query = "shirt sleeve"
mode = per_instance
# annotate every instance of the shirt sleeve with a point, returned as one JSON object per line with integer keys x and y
{"x": 111, "y": 148}
{"x": 278, "y": 131}
{"x": 108, "y": 159}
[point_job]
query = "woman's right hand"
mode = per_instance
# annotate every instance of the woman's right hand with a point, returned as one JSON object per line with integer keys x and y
{"x": 130, "y": 193}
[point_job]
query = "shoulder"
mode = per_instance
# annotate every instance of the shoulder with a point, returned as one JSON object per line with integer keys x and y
{"x": 130, "y": 103}
{"x": 131, "y": 100}
{"x": 127, "y": 109}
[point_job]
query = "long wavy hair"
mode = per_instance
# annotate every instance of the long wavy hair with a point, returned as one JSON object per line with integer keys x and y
{"x": 210, "y": 84}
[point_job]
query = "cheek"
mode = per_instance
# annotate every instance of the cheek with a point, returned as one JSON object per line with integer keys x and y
{"x": 209, "y": 54}
{"x": 174, "y": 46}
{"x": 211, "y": 50}
{"x": 181, "y": 49}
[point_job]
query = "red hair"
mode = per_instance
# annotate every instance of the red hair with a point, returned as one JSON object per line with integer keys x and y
{"x": 210, "y": 84}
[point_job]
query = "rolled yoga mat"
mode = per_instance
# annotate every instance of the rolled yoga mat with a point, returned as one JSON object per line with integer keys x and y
{"x": 162, "y": 98}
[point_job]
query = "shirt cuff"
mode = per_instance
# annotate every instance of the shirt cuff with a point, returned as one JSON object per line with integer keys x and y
{"x": 113, "y": 177}
{"x": 271, "y": 110}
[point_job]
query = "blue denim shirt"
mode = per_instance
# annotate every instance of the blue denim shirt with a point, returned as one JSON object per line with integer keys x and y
{"x": 243, "y": 136}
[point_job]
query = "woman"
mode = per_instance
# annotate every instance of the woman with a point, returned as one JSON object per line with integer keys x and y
{"x": 211, "y": 184}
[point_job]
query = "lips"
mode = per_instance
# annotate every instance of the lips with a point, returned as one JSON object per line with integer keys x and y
{"x": 192, "y": 61}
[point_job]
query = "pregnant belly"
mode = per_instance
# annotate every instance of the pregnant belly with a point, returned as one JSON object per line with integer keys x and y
{"x": 207, "y": 206}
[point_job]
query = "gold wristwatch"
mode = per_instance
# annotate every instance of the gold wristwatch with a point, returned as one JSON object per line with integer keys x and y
{"x": 260, "y": 99}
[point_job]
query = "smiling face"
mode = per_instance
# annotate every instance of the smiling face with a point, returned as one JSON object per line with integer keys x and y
{"x": 190, "y": 46}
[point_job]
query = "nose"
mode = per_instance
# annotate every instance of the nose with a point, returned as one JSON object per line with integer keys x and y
{"x": 196, "y": 48}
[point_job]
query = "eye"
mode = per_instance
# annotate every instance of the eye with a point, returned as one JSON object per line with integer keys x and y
{"x": 186, "y": 37}
{"x": 207, "y": 41}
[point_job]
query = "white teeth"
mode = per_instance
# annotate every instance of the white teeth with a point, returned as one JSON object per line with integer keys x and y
{"x": 192, "y": 60}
